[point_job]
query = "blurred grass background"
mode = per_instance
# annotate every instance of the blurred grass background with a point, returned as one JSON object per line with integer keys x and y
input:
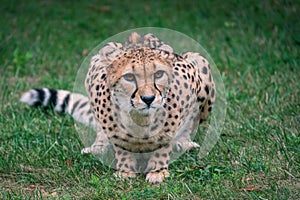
{"x": 255, "y": 45}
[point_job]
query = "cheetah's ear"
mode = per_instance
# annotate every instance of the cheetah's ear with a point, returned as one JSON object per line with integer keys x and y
{"x": 134, "y": 38}
{"x": 149, "y": 40}
{"x": 166, "y": 47}
{"x": 110, "y": 52}
{"x": 154, "y": 42}
{"x": 99, "y": 62}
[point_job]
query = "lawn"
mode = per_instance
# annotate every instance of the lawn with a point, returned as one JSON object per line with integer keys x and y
{"x": 255, "y": 45}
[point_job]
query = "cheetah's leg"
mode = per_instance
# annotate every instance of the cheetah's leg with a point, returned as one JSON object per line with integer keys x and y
{"x": 157, "y": 168}
{"x": 126, "y": 163}
{"x": 183, "y": 140}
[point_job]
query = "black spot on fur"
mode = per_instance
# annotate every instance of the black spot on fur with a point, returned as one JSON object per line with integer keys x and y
{"x": 103, "y": 76}
{"x": 204, "y": 70}
{"x": 200, "y": 99}
{"x": 209, "y": 102}
{"x": 206, "y": 89}
{"x": 186, "y": 85}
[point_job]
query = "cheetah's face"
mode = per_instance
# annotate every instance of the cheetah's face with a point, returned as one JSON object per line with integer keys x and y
{"x": 142, "y": 85}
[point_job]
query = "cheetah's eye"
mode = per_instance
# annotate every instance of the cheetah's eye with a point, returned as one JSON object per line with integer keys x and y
{"x": 158, "y": 74}
{"x": 129, "y": 77}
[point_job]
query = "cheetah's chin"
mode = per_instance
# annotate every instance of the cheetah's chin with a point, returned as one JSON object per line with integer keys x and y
{"x": 140, "y": 118}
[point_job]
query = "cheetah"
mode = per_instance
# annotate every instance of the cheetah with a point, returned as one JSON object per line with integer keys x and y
{"x": 145, "y": 101}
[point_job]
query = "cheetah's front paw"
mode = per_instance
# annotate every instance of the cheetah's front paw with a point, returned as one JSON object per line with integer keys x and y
{"x": 185, "y": 146}
{"x": 157, "y": 177}
{"x": 98, "y": 148}
{"x": 95, "y": 149}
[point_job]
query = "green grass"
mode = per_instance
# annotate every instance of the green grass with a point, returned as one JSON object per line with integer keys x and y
{"x": 255, "y": 45}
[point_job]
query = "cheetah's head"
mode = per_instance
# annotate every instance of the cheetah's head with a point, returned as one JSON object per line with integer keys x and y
{"x": 139, "y": 80}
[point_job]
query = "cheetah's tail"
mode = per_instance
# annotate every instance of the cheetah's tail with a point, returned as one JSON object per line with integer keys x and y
{"x": 77, "y": 105}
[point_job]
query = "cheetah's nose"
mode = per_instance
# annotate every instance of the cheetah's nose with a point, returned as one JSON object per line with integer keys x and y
{"x": 148, "y": 99}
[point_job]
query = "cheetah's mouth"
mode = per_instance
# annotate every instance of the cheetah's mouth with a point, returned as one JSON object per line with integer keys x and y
{"x": 145, "y": 109}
